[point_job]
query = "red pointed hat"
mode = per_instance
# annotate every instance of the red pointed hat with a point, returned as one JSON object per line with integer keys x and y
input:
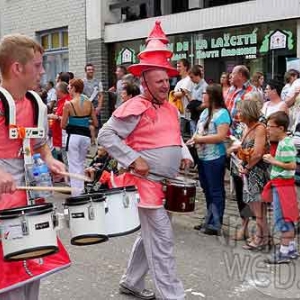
{"x": 156, "y": 55}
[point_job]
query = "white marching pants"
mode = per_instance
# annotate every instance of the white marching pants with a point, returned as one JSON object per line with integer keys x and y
{"x": 153, "y": 251}
{"x": 77, "y": 151}
{"x": 29, "y": 291}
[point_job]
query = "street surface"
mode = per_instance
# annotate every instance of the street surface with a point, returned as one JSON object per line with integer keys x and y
{"x": 204, "y": 265}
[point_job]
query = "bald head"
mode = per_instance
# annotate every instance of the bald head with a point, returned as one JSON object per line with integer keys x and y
{"x": 156, "y": 84}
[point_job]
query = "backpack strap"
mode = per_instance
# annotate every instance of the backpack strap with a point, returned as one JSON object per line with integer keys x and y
{"x": 38, "y": 106}
{"x": 9, "y": 107}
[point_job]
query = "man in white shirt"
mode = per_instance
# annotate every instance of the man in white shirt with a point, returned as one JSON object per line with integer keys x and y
{"x": 293, "y": 102}
{"x": 183, "y": 91}
{"x": 93, "y": 89}
{"x": 51, "y": 95}
{"x": 196, "y": 74}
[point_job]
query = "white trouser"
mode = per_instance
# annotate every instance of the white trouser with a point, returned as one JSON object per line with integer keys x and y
{"x": 28, "y": 291}
{"x": 77, "y": 151}
{"x": 153, "y": 251}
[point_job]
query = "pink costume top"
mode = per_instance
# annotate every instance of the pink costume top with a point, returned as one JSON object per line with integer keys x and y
{"x": 157, "y": 128}
{"x": 15, "y": 274}
{"x": 11, "y": 148}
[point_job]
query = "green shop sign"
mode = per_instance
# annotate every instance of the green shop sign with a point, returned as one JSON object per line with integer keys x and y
{"x": 224, "y": 46}
{"x": 277, "y": 39}
{"x": 227, "y": 45}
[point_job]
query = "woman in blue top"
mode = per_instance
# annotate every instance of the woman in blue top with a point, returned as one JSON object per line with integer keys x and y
{"x": 76, "y": 117}
{"x": 212, "y": 129}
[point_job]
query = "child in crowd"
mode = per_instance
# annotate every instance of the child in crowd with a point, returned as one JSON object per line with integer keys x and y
{"x": 102, "y": 161}
{"x": 282, "y": 184}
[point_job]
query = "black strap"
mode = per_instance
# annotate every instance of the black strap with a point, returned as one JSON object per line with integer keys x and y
{"x": 35, "y": 106}
{"x": 67, "y": 142}
{"x": 73, "y": 108}
{"x": 33, "y": 101}
{"x": 6, "y": 108}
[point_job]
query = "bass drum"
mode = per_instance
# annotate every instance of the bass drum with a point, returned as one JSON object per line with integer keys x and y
{"x": 28, "y": 232}
{"x": 85, "y": 215}
{"x": 122, "y": 217}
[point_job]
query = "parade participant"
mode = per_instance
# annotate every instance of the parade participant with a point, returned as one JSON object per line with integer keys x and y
{"x": 21, "y": 70}
{"x": 149, "y": 125}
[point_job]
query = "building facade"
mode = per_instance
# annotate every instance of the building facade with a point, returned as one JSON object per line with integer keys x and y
{"x": 58, "y": 25}
{"x": 262, "y": 34}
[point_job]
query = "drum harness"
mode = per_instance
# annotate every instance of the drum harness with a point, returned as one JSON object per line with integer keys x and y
{"x": 24, "y": 133}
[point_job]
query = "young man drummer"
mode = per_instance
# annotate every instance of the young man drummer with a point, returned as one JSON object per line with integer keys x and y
{"x": 21, "y": 70}
{"x": 153, "y": 144}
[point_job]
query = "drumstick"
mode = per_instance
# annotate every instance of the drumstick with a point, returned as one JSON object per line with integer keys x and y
{"x": 46, "y": 188}
{"x": 76, "y": 176}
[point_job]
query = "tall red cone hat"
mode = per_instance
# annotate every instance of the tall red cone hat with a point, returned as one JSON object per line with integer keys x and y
{"x": 156, "y": 55}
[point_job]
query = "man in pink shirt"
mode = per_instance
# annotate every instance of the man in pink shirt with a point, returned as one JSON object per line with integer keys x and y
{"x": 144, "y": 135}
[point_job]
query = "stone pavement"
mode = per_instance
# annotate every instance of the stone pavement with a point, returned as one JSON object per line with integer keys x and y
{"x": 210, "y": 267}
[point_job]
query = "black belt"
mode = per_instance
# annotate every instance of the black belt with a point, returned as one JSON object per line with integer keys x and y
{"x": 79, "y": 130}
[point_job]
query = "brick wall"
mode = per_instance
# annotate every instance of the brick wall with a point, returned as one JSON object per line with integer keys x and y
{"x": 32, "y": 16}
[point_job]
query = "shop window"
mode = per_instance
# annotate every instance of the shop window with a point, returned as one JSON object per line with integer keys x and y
{"x": 212, "y": 3}
{"x": 179, "y": 6}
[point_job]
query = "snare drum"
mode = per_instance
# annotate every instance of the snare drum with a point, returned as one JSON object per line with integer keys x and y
{"x": 28, "y": 232}
{"x": 85, "y": 215}
{"x": 180, "y": 195}
{"x": 122, "y": 217}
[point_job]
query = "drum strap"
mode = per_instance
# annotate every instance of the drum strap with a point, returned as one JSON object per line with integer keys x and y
{"x": 6, "y": 107}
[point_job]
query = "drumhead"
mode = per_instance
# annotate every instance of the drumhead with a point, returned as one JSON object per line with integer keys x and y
{"x": 130, "y": 188}
{"x": 85, "y": 198}
{"x": 30, "y": 210}
{"x": 31, "y": 253}
{"x": 88, "y": 239}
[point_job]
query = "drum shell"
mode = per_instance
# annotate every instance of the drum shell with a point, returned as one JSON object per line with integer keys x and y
{"x": 84, "y": 230}
{"x": 41, "y": 239}
{"x": 180, "y": 196}
{"x": 122, "y": 217}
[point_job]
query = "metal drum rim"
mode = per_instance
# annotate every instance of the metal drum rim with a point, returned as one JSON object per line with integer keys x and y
{"x": 30, "y": 210}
